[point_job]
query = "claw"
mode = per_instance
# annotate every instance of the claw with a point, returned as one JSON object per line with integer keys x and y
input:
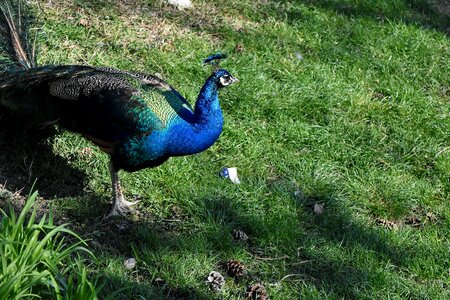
{"x": 121, "y": 207}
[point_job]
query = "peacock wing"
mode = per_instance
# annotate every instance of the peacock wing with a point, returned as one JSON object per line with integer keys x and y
{"x": 167, "y": 104}
{"x": 161, "y": 99}
{"x": 108, "y": 105}
{"x": 105, "y": 108}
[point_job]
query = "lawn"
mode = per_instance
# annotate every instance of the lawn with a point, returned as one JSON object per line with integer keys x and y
{"x": 339, "y": 128}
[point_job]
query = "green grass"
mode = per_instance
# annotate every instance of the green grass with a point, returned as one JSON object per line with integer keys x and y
{"x": 360, "y": 124}
{"x": 36, "y": 260}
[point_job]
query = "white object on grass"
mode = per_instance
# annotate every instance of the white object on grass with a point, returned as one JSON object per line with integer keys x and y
{"x": 318, "y": 208}
{"x": 230, "y": 173}
{"x": 129, "y": 263}
{"x": 298, "y": 55}
{"x": 180, "y": 3}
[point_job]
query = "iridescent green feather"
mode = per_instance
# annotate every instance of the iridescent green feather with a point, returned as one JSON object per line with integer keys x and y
{"x": 163, "y": 101}
{"x": 167, "y": 105}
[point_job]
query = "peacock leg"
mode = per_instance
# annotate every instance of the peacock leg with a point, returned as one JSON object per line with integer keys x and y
{"x": 121, "y": 206}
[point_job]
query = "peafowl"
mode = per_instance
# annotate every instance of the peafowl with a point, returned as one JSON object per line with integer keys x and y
{"x": 139, "y": 120}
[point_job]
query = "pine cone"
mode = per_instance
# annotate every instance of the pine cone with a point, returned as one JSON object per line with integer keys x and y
{"x": 239, "y": 48}
{"x": 215, "y": 280}
{"x": 257, "y": 292}
{"x": 386, "y": 223}
{"x": 239, "y": 236}
{"x": 234, "y": 268}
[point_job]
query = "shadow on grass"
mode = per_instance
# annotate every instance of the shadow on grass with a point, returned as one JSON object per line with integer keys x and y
{"x": 158, "y": 239}
{"x": 154, "y": 234}
{"x": 26, "y": 157}
{"x": 135, "y": 290}
{"x": 426, "y": 13}
{"x": 181, "y": 236}
{"x": 333, "y": 273}
{"x": 336, "y": 228}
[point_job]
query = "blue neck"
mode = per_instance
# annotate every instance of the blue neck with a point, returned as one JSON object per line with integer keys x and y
{"x": 193, "y": 137}
{"x": 207, "y": 108}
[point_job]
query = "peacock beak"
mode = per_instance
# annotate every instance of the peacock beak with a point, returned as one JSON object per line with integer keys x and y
{"x": 234, "y": 80}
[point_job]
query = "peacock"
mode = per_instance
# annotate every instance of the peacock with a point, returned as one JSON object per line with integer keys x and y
{"x": 139, "y": 120}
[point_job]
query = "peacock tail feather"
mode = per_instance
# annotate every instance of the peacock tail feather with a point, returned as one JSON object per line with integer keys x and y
{"x": 15, "y": 45}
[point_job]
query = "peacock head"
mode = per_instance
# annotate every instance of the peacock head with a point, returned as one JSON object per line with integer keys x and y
{"x": 223, "y": 78}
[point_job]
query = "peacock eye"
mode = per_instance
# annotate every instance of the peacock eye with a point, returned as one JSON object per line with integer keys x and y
{"x": 226, "y": 80}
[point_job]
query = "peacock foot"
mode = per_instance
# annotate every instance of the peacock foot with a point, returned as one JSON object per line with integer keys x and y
{"x": 122, "y": 208}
